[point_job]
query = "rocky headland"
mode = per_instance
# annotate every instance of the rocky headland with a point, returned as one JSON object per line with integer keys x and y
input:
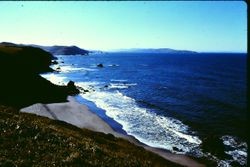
{"x": 64, "y": 50}
{"x": 21, "y": 85}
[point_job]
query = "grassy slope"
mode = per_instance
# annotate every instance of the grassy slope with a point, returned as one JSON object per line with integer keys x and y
{"x": 26, "y": 140}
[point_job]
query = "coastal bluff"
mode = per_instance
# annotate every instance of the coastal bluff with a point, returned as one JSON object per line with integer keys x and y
{"x": 21, "y": 85}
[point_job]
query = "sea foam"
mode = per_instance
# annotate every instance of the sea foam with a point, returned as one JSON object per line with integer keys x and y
{"x": 68, "y": 69}
{"x": 55, "y": 78}
{"x": 121, "y": 85}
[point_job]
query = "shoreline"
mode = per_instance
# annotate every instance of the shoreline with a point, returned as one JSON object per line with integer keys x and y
{"x": 80, "y": 115}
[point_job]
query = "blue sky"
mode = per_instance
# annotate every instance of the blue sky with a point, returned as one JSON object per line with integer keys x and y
{"x": 208, "y": 26}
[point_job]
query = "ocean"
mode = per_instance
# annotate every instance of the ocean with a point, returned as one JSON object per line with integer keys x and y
{"x": 193, "y": 104}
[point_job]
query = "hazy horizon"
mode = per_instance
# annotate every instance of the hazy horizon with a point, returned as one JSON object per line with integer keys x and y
{"x": 208, "y": 26}
{"x": 124, "y": 49}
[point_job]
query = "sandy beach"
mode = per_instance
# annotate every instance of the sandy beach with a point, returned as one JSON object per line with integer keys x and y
{"x": 79, "y": 115}
{"x": 73, "y": 113}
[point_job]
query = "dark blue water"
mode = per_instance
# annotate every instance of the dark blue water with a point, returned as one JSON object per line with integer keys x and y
{"x": 205, "y": 92}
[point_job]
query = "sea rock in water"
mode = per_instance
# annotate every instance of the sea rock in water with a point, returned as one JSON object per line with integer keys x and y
{"x": 82, "y": 89}
{"x": 71, "y": 83}
{"x": 100, "y": 65}
{"x": 176, "y": 149}
{"x": 72, "y": 88}
{"x": 54, "y": 62}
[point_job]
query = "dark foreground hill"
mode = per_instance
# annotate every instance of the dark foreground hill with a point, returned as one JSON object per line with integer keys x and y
{"x": 27, "y": 140}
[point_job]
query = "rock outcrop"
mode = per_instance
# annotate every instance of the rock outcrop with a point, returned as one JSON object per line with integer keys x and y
{"x": 100, "y": 65}
{"x": 72, "y": 88}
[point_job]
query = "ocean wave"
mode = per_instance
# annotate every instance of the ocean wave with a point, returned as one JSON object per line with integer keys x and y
{"x": 148, "y": 127}
{"x": 118, "y": 80}
{"x": 68, "y": 69}
{"x": 90, "y": 84}
{"x": 121, "y": 85}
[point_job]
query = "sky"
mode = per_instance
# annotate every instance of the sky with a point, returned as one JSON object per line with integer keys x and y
{"x": 203, "y": 26}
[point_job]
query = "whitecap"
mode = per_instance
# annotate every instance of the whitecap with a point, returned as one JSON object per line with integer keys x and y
{"x": 121, "y": 85}
{"x": 118, "y": 80}
{"x": 68, "y": 69}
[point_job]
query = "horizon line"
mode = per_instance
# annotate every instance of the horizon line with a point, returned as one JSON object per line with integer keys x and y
{"x": 119, "y": 49}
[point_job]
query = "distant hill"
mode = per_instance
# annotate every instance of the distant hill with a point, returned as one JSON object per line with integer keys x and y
{"x": 158, "y": 50}
{"x": 64, "y": 50}
{"x": 55, "y": 50}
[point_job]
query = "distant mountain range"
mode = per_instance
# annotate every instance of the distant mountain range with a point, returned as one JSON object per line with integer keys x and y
{"x": 149, "y": 50}
{"x": 74, "y": 50}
